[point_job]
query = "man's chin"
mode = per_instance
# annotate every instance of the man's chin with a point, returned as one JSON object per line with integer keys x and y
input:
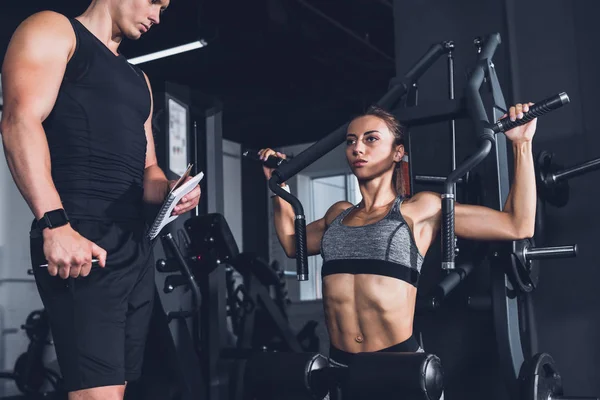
{"x": 134, "y": 36}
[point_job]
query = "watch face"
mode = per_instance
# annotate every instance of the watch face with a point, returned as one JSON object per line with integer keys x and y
{"x": 57, "y": 218}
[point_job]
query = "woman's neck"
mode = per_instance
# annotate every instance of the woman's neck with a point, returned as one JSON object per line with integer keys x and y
{"x": 377, "y": 193}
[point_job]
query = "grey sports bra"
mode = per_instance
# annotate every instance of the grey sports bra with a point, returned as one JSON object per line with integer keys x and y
{"x": 386, "y": 247}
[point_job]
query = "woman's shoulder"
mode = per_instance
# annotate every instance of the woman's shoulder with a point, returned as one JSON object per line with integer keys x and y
{"x": 424, "y": 205}
{"x": 424, "y": 197}
{"x": 335, "y": 210}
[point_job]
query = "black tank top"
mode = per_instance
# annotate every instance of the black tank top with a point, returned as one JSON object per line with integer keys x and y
{"x": 96, "y": 133}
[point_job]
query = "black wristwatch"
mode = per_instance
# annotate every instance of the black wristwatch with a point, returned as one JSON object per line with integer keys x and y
{"x": 53, "y": 219}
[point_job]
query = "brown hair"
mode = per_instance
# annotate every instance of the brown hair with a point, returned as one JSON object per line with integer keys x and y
{"x": 398, "y": 130}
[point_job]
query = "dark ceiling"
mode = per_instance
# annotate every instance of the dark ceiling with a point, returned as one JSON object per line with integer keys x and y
{"x": 285, "y": 71}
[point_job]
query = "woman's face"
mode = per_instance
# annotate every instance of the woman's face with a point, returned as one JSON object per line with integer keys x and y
{"x": 370, "y": 148}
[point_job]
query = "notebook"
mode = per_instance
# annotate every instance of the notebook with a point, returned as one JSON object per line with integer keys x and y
{"x": 180, "y": 189}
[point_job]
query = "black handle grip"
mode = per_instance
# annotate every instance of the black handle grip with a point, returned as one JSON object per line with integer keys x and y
{"x": 448, "y": 240}
{"x": 541, "y": 108}
{"x": 270, "y": 162}
{"x": 301, "y": 249}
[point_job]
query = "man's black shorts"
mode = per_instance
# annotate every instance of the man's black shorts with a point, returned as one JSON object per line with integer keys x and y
{"x": 99, "y": 323}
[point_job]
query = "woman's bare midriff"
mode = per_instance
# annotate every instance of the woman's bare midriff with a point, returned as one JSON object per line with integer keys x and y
{"x": 368, "y": 312}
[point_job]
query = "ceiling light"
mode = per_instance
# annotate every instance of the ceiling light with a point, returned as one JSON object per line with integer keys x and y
{"x": 168, "y": 52}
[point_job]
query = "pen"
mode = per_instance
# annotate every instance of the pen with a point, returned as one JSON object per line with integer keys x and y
{"x": 94, "y": 261}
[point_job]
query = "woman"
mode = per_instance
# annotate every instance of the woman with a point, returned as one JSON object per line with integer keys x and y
{"x": 373, "y": 251}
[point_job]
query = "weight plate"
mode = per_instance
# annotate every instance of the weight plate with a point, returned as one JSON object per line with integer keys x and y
{"x": 29, "y": 382}
{"x": 540, "y": 379}
{"x": 556, "y": 194}
{"x": 523, "y": 274}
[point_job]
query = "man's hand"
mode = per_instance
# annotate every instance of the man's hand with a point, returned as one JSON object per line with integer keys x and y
{"x": 69, "y": 254}
{"x": 523, "y": 133}
{"x": 187, "y": 202}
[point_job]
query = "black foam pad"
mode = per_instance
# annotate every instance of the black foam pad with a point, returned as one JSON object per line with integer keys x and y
{"x": 406, "y": 376}
{"x": 286, "y": 375}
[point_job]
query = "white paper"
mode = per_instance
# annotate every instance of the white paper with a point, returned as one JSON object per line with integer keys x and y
{"x": 164, "y": 216}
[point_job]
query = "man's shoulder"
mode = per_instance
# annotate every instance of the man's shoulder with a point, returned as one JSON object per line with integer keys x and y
{"x": 45, "y": 18}
{"x": 43, "y": 33}
{"x": 47, "y": 23}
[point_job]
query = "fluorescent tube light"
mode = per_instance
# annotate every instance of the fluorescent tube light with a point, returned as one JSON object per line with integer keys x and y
{"x": 168, "y": 52}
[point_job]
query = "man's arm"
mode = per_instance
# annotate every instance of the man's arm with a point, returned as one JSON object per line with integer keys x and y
{"x": 32, "y": 73}
{"x": 156, "y": 184}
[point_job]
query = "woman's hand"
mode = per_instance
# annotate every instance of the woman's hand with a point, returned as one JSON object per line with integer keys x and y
{"x": 266, "y": 153}
{"x": 523, "y": 133}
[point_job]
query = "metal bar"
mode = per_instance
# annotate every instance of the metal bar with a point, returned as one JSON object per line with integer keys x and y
{"x": 577, "y": 170}
{"x": 450, "y": 48}
{"x": 412, "y": 99}
{"x": 194, "y": 140}
{"x": 18, "y": 280}
{"x": 545, "y": 253}
{"x": 434, "y": 179}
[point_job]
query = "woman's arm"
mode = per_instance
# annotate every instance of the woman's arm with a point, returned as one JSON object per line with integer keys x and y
{"x": 517, "y": 221}
{"x": 284, "y": 217}
{"x": 284, "y": 226}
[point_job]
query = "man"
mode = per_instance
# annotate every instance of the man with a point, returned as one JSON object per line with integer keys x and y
{"x": 77, "y": 135}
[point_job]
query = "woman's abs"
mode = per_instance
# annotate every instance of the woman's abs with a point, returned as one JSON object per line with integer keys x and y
{"x": 367, "y": 312}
